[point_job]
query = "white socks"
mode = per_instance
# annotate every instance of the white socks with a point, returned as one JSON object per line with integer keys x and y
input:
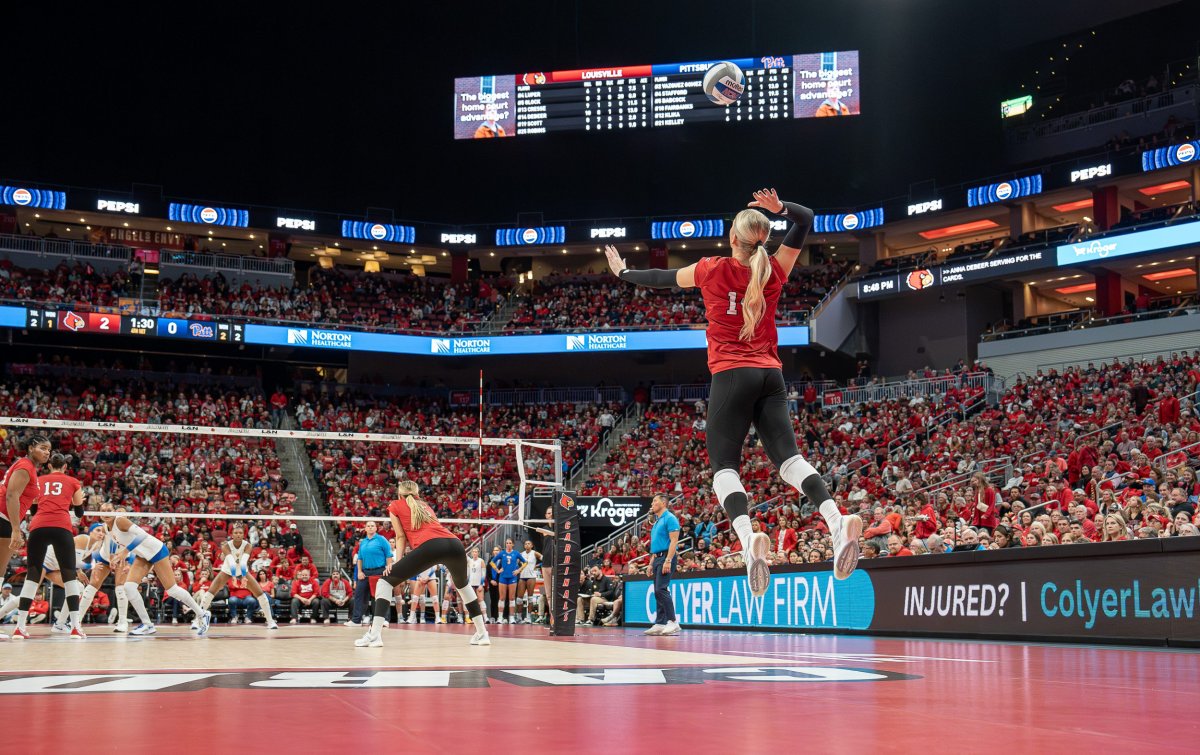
{"x": 829, "y": 510}
{"x": 9, "y": 607}
{"x": 794, "y": 472}
{"x": 72, "y": 590}
{"x": 468, "y": 596}
{"x": 139, "y": 605}
{"x": 28, "y": 590}
{"x": 184, "y": 597}
{"x": 122, "y": 603}
{"x": 383, "y": 591}
{"x": 742, "y": 527}
{"x": 205, "y": 600}
{"x": 265, "y": 604}
{"x": 85, "y": 601}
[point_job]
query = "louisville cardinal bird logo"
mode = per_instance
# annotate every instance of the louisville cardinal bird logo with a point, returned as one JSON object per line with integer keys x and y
{"x": 74, "y": 322}
{"x": 919, "y": 279}
{"x": 566, "y": 501}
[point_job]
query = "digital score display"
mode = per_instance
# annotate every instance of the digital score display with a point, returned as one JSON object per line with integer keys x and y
{"x": 133, "y": 325}
{"x": 778, "y": 87}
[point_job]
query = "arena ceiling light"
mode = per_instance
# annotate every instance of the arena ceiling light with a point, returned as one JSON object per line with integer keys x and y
{"x": 1082, "y": 204}
{"x": 1067, "y": 290}
{"x": 958, "y": 230}
{"x": 1163, "y": 275}
{"x": 1164, "y": 188}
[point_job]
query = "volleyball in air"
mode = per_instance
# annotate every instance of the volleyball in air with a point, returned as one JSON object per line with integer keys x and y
{"x": 724, "y": 83}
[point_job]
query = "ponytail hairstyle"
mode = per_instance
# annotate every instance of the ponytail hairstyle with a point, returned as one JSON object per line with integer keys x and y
{"x": 752, "y": 230}
{"x": 59, "y": 461}
{"x": 419, "y": 511}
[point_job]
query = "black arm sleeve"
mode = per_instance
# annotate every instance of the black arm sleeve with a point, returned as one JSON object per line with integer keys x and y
{"x": 78, "y": 511}
{"x": 651, "y": 278}
{"x": 33, "y": 510}
{"x": 802, "y": 220}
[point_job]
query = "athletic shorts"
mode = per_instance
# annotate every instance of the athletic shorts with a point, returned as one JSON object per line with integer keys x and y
{"x": 507, "y": 579}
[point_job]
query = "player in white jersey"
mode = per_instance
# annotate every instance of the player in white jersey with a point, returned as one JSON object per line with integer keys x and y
{"x": 236, "y": 563}
{"x": 84, "y": 546}
{"x": 476, "y": 573}
{"x": 148, "y": 552}
{"x": 108, "y": 557}
{"x": 527, "y": 580}
{"x": 421, "y": 586}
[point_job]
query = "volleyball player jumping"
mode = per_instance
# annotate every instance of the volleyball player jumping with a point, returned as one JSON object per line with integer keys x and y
{"x": 741, "y": 293}
{"x": 415, "y": 524}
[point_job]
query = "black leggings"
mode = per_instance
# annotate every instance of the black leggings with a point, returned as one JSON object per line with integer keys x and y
{"x": 742, "y": 396}
{"x": 43, "y": 539}
{"x": 440, "y": 550}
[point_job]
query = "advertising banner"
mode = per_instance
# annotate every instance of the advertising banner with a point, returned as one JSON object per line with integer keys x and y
{"x": 611, "y": 511}
{"x": 1143, "y": 591}
{"x": 567, "y": 546}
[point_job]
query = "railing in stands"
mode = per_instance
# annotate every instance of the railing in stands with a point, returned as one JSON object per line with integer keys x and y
{"x": 229, "y": 262}
{"x": 581, "y": 395}
{"x": 919, "y": 388}
{"x": 104, "y": 373}
{"x": 693, "y": 392}
{"x": 63, "y": 248}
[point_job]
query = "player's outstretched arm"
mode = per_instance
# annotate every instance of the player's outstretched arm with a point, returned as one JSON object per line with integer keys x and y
{"x": 683, "y": 277}
{"x": 793, "y": 240}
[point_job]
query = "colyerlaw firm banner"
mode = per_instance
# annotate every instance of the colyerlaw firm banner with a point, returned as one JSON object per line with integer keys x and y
{"x": 1143, "y": 591}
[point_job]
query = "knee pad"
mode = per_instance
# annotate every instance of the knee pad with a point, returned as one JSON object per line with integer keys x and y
{"x": 796, "y": 470}
{"x": 383, "y": 590}
{"x": 726, "y": 482}
{"x": 71, "y": 587}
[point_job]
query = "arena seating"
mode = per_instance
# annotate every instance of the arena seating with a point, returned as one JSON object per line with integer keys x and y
{"x": 1126, "y": 436}
{"x": 78, "y": 285}
{"x": 572, "y": 302}
{"x": 358, "y": 479}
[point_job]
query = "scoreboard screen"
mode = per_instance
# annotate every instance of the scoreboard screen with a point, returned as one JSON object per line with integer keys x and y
{"x": 133, "y": 325}
{"x": 778, "y": 87}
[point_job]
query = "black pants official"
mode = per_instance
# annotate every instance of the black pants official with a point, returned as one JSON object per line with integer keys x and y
{"x": 664, "y": 606}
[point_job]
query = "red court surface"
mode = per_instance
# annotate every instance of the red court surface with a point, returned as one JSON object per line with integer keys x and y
{"x": 700, "y": 692}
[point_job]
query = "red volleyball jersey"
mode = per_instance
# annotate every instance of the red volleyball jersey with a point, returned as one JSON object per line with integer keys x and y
{"x": 723, "y": 281}
{"x": 28, "y": 495}
{"x": 54, "y": 504}
{"x": 415, "y": 537}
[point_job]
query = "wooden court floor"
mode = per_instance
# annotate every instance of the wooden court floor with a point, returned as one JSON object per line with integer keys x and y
{"x": 308, "y": 689}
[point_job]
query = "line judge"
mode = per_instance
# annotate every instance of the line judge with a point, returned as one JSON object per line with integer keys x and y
{"x": 664, "y": 544}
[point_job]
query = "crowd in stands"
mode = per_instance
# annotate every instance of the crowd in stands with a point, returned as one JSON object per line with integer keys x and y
{"x": 574, "y": 301}
{"x": 384, "y": 301}
{"x": 1091, "y": 453}
{"x": 79, "y": 284}
{"x": 164, "y": 472}
{"x": 359, "y": 479}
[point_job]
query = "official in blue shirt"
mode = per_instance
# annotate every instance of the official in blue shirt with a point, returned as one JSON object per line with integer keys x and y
{"x": 373, "y": 556}
{"x": 664, "y": 541}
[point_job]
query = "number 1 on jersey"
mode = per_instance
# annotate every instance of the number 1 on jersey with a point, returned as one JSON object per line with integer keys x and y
{"x": 732, "y": 303}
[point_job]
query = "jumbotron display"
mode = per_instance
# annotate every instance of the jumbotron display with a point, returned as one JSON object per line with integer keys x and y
{"x": 812, "y": 85}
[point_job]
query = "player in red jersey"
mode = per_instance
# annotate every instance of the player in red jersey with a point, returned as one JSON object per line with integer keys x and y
{"x": 17, "y": 494}
{"x": 53, "y": 529}
{"x": 741, "y": 292}
{"x": 431, "y": 544}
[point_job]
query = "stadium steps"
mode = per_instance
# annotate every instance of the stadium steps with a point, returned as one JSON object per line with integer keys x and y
{"x": 497, "y": 321}
{"x": 625, "y": 422}
{"x": 297, "y": 469}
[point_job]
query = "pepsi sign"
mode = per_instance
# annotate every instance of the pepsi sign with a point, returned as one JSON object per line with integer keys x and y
{"x": 295, "y": 224}
{"x": 920, "y": 208}
{"x": 113, "y": 205}
{"x": 40, "y": 198}
{"x": 852, "y": 221}
{"x": 397, "y": 234}
{"x": 208, "y": 215}
{"x": 547, "y": 234}
{"x": 1095, "y": 171}
{"x": 610, "y": 232}
{"x": 460, "y": 238}
{"x": 1004, "y": 190}
{"x": 687, "y": 229}
{"x": 1165, "y": 157}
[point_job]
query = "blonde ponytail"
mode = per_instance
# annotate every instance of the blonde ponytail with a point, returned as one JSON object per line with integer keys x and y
{"x": 419, "y": 512}
{"x": 752, "y": 229}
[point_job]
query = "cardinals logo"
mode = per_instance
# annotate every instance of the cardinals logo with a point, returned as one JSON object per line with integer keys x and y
{"x": 73, "y": 322}
{"x": 566, "y": 501}
{"x": 533, "y": 79}
{"x": 919, "y": 279}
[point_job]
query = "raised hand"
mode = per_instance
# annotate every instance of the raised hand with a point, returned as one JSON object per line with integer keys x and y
{"x": 615, "y": 263}
{"x": 768, "y": 200}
